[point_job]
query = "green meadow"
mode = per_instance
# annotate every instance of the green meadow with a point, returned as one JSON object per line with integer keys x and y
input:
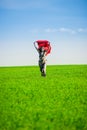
{"x": 55, "y": 102}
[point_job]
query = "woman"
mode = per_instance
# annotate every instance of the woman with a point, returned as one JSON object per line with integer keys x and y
{"x": 42, "y": 59}
{"x": 43, "y": 47}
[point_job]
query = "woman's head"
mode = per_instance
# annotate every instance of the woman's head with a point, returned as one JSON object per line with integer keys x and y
{"x": 41, "y": 49}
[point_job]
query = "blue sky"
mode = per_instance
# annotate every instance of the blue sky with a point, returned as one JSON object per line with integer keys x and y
{"x": 62, "y": 22}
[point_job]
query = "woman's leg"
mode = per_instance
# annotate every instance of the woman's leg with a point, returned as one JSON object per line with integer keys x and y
{"x": 43, "y": 69}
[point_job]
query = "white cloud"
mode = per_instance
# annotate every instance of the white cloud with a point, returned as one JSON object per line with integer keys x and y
{"x": 66, "y": 30}
{"x": 61, "y": 30}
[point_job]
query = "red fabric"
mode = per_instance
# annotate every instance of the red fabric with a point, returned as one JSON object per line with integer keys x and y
{"x": 45, "y": 44}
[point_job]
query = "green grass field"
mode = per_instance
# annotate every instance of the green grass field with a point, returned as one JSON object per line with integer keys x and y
{"x": 55, "y": 102}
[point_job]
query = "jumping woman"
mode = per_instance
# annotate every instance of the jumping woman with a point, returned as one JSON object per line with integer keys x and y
{"x": 43, "y": 48}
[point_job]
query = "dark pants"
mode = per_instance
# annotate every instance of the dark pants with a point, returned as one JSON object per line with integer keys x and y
{"x": 42, "y": 66}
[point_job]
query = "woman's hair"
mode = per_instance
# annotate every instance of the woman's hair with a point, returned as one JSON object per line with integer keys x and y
{"x": 41, "y": 49}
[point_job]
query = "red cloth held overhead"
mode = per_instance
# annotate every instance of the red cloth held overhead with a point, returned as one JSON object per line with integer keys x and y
{"x": 45, "y": 44}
